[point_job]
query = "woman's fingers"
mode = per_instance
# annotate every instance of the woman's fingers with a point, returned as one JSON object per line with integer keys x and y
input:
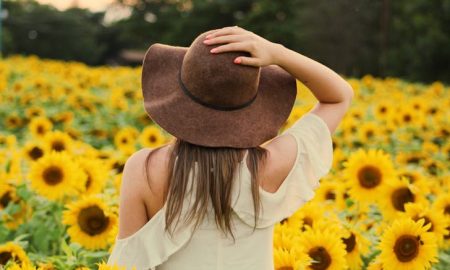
{"x": 226, "y": 31}
{"x": 237, "y": 46}
{"x": 224, "y": 39}
{"x": 249, "y": 61}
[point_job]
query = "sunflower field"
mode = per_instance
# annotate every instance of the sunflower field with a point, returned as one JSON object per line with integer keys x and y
{"x": 67, "y": 129}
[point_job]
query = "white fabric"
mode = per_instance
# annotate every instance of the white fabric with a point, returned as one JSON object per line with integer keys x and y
{"x": 207, "y": 248}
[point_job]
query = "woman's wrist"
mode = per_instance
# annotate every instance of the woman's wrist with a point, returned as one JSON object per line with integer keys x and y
{"x": 277, "y": 53}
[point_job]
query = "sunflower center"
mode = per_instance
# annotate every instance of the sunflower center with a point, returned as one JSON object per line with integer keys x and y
{"x": 92, "y": 220}
{"x": 152, "y": 138}
{"x": 330, "y": 195}
{"x": 350, "y": 243}
{"x": 447, "y": 210}
{"x": 369, "y": 133}
{"x": 307, "y": 221}
{"x": 427, "y": 221}
{"x": 53, "y": 175}
{"x": 88, "y": 181}
{"x": 40, "y": 130}
{"x": 322, "y": 257}
{"x": 285, "y": 268}
{"x": 5, "y": 257}
{"x": 346, "y": 195}
{"x": 447, "y": 236}
{"x": 124, "y": 140}
{"x": 5, "y": 199}
{"x": 401, "y": 196}
{"x": 58, "y": 146}
{"x": 409, "y": 176}
{"x": 36, "y": 153}
{"x": 407, "y": 118}
{"x": 383, "y": 109}
{"x": 406, "y": 247}
{"x": 369, "y": 176}
{"x": 283, "y": 220}
{"x": 118, "y": 167}
{"x": 413, "y": 160}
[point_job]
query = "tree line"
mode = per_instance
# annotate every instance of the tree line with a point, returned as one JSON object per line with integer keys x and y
{"x": 403, "y": 38}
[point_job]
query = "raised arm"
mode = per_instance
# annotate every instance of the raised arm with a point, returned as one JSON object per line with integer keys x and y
{"x": 332, "y": 91}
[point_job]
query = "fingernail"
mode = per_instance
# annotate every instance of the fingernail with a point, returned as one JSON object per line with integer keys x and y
{"x": 213, "y": 50}
{"x": 237, "y": 60}
{"x": 206, "y": 41}
{"x": 208, "y": 36}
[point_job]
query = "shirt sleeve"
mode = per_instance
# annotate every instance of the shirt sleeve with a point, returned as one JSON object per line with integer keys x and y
{"x": 314, "y": 147}
{"x": 313, "y": 161}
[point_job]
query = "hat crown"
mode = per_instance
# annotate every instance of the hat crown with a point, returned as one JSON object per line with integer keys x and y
{"x": 215, "y": 79}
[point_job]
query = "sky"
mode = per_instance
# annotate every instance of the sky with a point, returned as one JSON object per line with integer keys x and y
{"x": 94, "y": 5}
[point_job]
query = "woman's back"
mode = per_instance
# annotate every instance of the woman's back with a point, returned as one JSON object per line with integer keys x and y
{"x": 207, "y": 247}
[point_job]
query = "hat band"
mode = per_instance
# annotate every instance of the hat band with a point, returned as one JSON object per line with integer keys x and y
{"x": 213, "y": 106}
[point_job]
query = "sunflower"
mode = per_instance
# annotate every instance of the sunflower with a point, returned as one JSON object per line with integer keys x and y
{"x": 34, "y": 111}
{"x": 39, "y": 126}
{"x": 356, "y": 245}
{"x": 12, "y": 252}
{"x": 8, "y": 196}
{"x": 434, "y": 167}
{"x": 64, "y": 117}
{"x": 8, "y": 141}
{"x": 369, "y": 132}
{"x": 306, "y": 216}
{"x": 438, "y": 220}
{"x": 375, "y": 265}
{"x": 32, "y": 151}
{"x": 151, "y": 137}
{"x": 21, "y": 266}
{"x": 329, "y": 195}
{"x": 96, "y": 175}
{"x": 296, "y": 113}
{"x": 396, "y": 194}
{"x": 415, "y": 177}
{"x": 55, "y": 175}
{"x": 126, "y": 138}
{"x": 91, "y": 223}
{"x": 290, "y": 259}
{"x": 57, "y": 141}
{"x": 406, "y": 115}
{"x": 442, "y": 204}
{"x": 284, "y": 236}
{"x": 413, "y": 158}
{"x": 325, "y": 248}
{"x": 367, "y": 173}
{"x": 406, "y": 245}
{"x": 13, "y": 121}
{"x": 383, "y": 109}
{"x": 104, "y": 266}
{"x": 73, "y": 133}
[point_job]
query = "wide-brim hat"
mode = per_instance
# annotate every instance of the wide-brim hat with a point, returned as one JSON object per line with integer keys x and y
{"x": 207, "y": 99}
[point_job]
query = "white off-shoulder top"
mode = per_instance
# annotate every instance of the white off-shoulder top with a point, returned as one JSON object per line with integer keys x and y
{"x": 207, "y": 248}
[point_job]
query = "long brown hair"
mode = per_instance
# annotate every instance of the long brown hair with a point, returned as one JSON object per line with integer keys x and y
{"x": 215, "y": 185}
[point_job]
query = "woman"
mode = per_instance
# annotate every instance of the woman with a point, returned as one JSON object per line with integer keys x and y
{"x": 224, "y": 99}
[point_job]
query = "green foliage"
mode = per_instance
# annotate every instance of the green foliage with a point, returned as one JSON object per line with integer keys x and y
{"x": 404, "y": 38}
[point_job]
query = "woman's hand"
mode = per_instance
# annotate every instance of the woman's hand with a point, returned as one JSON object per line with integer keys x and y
{"x": 262, "y": 51}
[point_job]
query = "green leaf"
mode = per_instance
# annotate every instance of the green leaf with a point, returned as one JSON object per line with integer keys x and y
{"x": 66, "y": 248}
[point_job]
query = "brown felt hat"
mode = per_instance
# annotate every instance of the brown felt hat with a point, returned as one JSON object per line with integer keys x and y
{"x": 207, "y": 99}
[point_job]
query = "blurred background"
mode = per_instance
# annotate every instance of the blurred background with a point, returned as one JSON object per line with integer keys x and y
{"x": 409, "y": 39}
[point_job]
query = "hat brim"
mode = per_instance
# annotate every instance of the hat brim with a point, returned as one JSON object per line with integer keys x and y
{"x": 168, "y": 106}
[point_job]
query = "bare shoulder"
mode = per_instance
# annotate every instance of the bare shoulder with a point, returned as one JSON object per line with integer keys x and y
{"x": 137, "y": 166}
{"x": 282, "y": 154}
